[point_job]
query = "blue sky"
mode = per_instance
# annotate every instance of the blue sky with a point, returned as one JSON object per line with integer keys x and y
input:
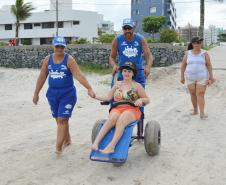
{"x": 187, "y": 10}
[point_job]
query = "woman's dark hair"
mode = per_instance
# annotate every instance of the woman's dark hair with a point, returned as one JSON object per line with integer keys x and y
{"x": 190, "y": 46}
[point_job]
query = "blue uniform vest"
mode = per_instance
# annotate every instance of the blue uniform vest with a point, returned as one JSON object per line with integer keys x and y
{"x": 130, "y": 50}
{"x": 60, "y": 75}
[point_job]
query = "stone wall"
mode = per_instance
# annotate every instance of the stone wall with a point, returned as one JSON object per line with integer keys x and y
{"x": 98, "y": 54}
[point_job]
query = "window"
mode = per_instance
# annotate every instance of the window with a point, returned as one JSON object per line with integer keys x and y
{"x": 60, "y": 24}
{"x": 153, "y": 10}
{"x": 28, "y": 26}
{"x": 76, "y": 22}
{"x": 46, "y": 41}
{"x": 104, "y": 25}
{"x": 47, "y": 25}
{"x": 37, "y": 24}
{"x": 8, "y": 27}
{"x": 137, "y": 12}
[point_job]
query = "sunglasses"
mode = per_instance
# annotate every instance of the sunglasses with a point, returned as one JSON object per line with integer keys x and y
{"x": 127, "y": 28}
{"x": 59, "y": 47}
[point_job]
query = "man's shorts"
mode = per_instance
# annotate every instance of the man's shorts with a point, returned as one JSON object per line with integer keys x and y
{"x": 61, "y": 101}
{"x": 200, "y": 82}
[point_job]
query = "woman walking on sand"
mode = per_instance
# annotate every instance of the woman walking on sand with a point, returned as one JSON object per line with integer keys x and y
{"x": 61, "y": 94}
{"x": 196, "y": 70}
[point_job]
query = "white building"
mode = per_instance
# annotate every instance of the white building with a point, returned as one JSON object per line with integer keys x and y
{"x": 211, "y": 35}
{"x": 107, "y": 27}
{"x": 40, "y": 27}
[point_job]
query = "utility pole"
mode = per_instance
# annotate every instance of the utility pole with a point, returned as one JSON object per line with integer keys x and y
{"x": 57, "y": 17}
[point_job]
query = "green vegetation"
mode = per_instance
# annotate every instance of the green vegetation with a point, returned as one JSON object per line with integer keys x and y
{"x": 3, "y": 43}
{"x": 209, "y": 47}
{"x": 151, "y": 40}
{"x": 222, "y": 37}
{"x": 91, "y": 68}
{"x": 168, "y": 36}
{"x": 153, "y": 24}
{"x": 106, "y": 38}
{"x": 80, "y": 41}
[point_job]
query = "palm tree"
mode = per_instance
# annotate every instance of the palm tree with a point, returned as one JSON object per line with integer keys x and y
{"x": 21, "y": 11}
{"x": 202, "y": 16}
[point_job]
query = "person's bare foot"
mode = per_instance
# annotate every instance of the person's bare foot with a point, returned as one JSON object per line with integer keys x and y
{"x": 66, "y": 143}
{"x": 203, "y": 116}
{"x": 108, "y": 150}
{"x": 58, "y": 153}
{"x": 94, "y": 147}
{"x": 194, "y": 112}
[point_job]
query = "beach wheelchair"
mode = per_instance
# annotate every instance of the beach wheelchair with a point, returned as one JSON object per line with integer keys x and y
{"x": 151, "y": 136}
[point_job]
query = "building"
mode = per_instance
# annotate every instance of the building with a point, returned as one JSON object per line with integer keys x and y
{"x": 188, "y": 32}
{"x": 40, "y": 27}
{"x": 211, "y": 35}
{"x": 106, "y": 27}
{"x": 141, "y": 8}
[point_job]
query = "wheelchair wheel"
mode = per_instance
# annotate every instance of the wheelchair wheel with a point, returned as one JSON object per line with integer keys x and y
{"x": 152, "y": 138}
{"x": 96, "y": 127}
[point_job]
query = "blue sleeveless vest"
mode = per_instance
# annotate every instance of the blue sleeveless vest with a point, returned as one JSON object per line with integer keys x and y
{"x": 130, "y": 50}
{"x": 60, "y": 75}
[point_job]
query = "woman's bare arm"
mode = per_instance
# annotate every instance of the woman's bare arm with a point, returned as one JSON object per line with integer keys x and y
{"x": 209, "y": 66}
{"x": 183, "y": 67}
{"x": 142, "y": 94}
{"x": 109, "y": 96}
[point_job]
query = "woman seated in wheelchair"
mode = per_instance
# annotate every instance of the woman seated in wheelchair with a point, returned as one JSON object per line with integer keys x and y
{"x": 125, "y": 91}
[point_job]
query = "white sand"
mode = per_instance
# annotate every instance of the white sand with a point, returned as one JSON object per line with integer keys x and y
{"x": 193, "y": 151}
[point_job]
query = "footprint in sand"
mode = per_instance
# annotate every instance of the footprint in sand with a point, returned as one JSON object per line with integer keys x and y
{"x": 110, "y": 178}
{"x": 185, "y": 118}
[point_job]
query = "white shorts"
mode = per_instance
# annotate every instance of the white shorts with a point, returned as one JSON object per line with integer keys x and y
{"x": 200, "y": 82}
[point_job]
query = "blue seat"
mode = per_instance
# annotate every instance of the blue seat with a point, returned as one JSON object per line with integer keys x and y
{"x": 121, "y": 149}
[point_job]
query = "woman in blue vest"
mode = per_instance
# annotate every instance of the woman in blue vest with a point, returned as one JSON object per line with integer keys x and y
{"x": 61, "y": 94}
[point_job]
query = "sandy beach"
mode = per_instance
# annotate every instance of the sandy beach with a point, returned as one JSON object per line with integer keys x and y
{"x": 193, "y": 151}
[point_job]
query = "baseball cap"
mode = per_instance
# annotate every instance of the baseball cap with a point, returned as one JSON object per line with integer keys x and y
{"x": 128, "y": 22}
{"x": 129, "y": 65}
{"x": 59, "y": 41}
{"x": 196, "y": 39}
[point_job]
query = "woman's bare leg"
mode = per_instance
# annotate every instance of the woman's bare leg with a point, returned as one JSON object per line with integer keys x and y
{"x": 67, "y": 140}
{"x": 125, "y": 119}
{"x": 192, "y": 90}
{"x": 200, "y": 92}
{"x": 113, "y": 117}
{"x": 62, "y": 133}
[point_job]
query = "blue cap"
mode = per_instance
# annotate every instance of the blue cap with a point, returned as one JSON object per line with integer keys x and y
{"x": 128, "y": 22}
{"x": 59, "y": 41}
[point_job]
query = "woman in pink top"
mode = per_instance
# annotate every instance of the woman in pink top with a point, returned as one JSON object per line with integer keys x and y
{"x": 196, "y": 69}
